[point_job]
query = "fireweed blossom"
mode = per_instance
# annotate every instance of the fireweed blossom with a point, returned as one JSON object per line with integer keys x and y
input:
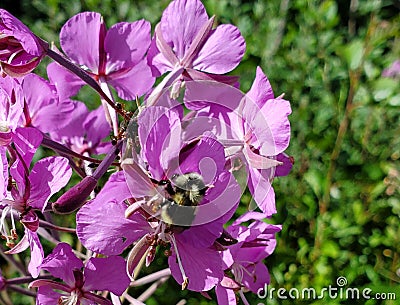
{"x": 114, "y": 57}
{"x": 32, "y": 190}
{"x": 243, "y": 261}
{"x": 79, "y": 280}
{"x": 194, "y": 262}
{"x": 186, "y": 44}
{"x": 20, "y": 50}
{"x": 177, "y": 188}
{"x": 43, "y": 109}
{"x": 254, "y": 128}
{"x": 30, "y": 101}
{"x": 84, "y": 131}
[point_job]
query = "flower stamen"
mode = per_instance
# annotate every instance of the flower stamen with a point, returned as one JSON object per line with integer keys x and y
{"x": 9, "y": 235}
{"x": 185, "y": 282}
{"x": 72, "y": 299}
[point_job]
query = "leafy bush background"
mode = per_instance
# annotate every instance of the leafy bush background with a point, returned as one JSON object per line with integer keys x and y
{"x": 340, "y": 206}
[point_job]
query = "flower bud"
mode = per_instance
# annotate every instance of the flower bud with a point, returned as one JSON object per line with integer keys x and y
{"x": 75, "y": 197}
{"x": 20, "y": 50}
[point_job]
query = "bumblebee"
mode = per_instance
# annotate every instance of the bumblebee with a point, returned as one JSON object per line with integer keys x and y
{"x": 183, "y": 194}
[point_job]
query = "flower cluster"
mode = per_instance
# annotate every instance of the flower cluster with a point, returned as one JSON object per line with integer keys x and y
{"x": 166, "y": 171}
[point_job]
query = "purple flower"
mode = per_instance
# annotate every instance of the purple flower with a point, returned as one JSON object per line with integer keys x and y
{"x": 393, "y": 71}
{"x": 114, "y": 56}
{"x": 244, "y": 260}
{"x": 185, "y": 38}
{"x": 43, "y": 109}
{"x": 32, "y": 191}
{"x": 101, "y": 223}
{"x": 253, "y": 128}
{"x": 166, "y": 157}
{"x": 79, "y": 279}
{"x": 84, "y": 131}
{"x": 30, "y": 102}
{"x": 20, "y": 50}
{"x": 266, "y": 131}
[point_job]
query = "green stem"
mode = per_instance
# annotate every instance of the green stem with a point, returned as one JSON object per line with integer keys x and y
{"x": 22, "y": 290}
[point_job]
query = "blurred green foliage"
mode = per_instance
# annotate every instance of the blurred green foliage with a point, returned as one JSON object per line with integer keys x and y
{"x": 340, "y": 206}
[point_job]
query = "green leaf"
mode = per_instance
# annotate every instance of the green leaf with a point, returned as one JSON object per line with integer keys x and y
{"x": 352, "y": 54}
{"x": 384, "y": 88}
{"x": 315, "y": 180}
{"x": 330, "y": 249}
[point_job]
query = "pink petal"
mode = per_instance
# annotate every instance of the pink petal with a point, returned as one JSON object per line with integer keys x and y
{"x": 251, "y": 215}
{"x": 231, "y": 80}
{"x": 163, "y": 47}
{"x": 21, "y": 32}
{"x": 82, "y": 38}
{"x": 225, "y": 296}
{"x": 38, "y": 93}
{"x": 54, "y": 116}
{"x": 261, "y": 90}
{"x": 27, "y": 140}
{"x": 36, "y": 253}
{"x": 222, "y": 51}
{"x": 276, "y": 113}
{"x": 103, "y": 228}
{"x": 116, "y": 189}
{"x": 137, "y": 180}
{"x": 286, "y": 167}
{"x": 126, "y": 44}
{"x": 47, "y": 177}
{"x": 19, "y": 70}
{"x": 67, "y": 83}
{"x": 46, "y": 112}
{"x": 47, "y": 296}
{"x": 259, "y": 162}
{"x": 202, "y": 266}
{"x": 11, "y": 101}
{"x": 181, "y": 21}
{"x": 159, "y": 134}
{"x": 262, "y": 191}
{"x": 96, "y": 126}
{"x": 61, "y": 262}
{"x": 157, "y": 61}
{"x": 258, "y": 277}
{"x": 200, "y": 94}
{"x": 106, "y": 274}
{"x": 133, "y": 82}
{"x": 220, "y": 203}
{"x": 74, "y": 129}
{"x": 205, "y": 156}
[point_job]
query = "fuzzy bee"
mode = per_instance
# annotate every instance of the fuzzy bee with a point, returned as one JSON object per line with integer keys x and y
{"x": 183, "y": 194}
